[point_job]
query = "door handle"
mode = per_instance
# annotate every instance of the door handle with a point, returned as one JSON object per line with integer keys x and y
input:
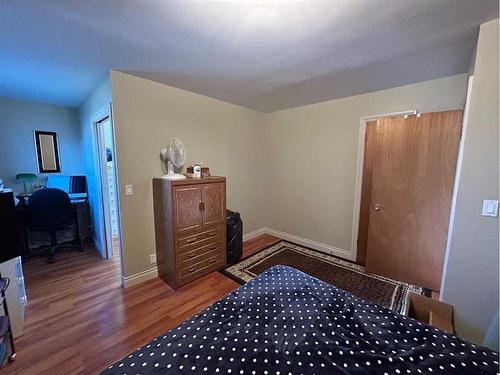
{"x": 376, "y": 206}
{"x": 201, "y": 206}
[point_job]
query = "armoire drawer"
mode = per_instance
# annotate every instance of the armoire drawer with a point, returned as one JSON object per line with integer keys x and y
{"x": 199, "y": 254}
{"x": 205, "y": 265}
{"x": 200, "y": 239}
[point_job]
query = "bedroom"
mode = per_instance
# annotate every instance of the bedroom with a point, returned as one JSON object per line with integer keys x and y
{"x": 270, "y": 95}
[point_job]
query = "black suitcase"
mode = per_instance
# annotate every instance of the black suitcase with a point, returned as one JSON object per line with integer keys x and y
{"x": 234, "y": 236}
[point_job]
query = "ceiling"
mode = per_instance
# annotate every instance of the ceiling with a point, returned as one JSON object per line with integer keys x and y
{"x": 262, "y": 54}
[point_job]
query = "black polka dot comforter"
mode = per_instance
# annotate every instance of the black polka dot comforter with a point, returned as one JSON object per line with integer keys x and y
{"x": 287, "y": 322}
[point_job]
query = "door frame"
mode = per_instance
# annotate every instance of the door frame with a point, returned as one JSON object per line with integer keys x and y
{"x": 96, "y": 117}
{"x": 359, "y": 172}
{"x": 103, "y": 187}
{"x": 359, "y": 178}
{"x": 106, "y": 112}
{"x": 458, "y": 172}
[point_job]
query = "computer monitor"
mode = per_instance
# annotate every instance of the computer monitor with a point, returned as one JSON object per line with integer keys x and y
{"x": 58, "y": 182}
{"x": 75, "y": 186}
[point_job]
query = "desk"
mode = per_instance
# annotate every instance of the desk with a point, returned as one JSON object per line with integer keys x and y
{"x": 81, "y": 211}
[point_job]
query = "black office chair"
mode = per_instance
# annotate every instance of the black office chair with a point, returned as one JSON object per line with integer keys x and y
{"x": 50, "y": 210}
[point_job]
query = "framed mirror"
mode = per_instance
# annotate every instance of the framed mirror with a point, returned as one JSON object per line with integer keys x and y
{"x": 47, "y": 152}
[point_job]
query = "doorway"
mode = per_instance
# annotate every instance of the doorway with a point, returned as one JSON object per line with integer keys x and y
{"x": 105, "y": 147}
{"x": 407, "y": 185}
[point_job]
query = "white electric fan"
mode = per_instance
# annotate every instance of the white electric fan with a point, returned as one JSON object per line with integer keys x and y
{"x": 173, "y": 156}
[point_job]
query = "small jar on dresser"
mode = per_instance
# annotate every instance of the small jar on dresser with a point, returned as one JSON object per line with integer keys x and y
{"x": 190, "y": 228}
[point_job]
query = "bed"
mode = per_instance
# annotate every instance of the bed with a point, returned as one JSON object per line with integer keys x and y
{"x": 287, "y": 322}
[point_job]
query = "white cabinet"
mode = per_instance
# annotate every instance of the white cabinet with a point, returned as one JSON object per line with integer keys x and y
{"x": 16, "y": 294}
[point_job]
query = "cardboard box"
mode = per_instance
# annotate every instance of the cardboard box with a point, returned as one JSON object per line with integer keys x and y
{"x": 430, "y": 311}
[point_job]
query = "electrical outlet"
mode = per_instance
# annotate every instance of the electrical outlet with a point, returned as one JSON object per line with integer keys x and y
{"x": 129, "y": 190}
{"x": 152, "y": 258}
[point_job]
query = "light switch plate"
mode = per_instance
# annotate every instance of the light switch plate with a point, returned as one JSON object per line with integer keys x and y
{"x": 129, "y": 190}
{"x": 490, "y": 208}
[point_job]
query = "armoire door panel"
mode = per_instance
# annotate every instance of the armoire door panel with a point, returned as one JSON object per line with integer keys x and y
{"x": 413, "y": 170}
{"x": 213, "y": 198}
{"x": 187, "y": 211}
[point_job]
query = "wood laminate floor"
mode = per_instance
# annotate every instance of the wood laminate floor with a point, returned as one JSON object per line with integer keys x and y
{"x": 79, "y": 319}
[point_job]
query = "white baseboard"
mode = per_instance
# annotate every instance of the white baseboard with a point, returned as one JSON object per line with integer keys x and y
{"x": 98, "y": 246}
{"x": 328, "y": 249}
{"x": 140, "y": 277}
{"x": 255, "y": 233}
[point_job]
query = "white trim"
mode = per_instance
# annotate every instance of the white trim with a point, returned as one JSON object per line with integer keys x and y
{"x": 118, "y": 201}
{"x": 97, "y": 245}
{"x": 328, "y": 249}
{"x": 253, "y": 234}
{"x": 458, "y": 172}
{"x": 140, "y": 277}
{"x": 359, "y": 172}
{"x": 103, "y": 184}
{"x": 102, "y": 113}
{"x": 143, "y": 276}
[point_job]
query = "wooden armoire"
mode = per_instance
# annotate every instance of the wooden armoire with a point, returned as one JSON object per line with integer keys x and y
{"x": 190, "y": 225}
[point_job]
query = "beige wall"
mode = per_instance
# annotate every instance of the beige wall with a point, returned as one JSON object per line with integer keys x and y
{"x": 312, "y": 153}
{"x": 226, "y": 137}
{"x": 292, "y": 170}
{"x": 471, "y": 282}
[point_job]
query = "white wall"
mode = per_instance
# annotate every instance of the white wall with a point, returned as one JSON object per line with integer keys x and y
{"x": 471, "y": 282}
{"x": 312, "y": 154}
{"x": 225, "y": 137}
{"x": 99, "y": 98}
{"x": 18, "y": 121}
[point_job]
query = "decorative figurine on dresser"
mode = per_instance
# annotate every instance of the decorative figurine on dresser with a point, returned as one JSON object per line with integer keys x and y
{"x": 190, "y": 226}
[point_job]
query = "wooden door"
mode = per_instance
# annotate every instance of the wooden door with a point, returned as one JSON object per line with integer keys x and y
{"x": 413, "y": 170}
{"x": 366, "y": 191}
{"x": 213, "y": 202}
{"x": 188, "y": 215}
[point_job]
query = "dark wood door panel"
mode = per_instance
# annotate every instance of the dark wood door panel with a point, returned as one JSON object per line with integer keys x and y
{"x": 188, "y": 216}
{"x": 214, "y": 201}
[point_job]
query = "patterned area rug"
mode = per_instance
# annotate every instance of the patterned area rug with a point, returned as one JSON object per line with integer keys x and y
{"x": 342, "y": 274}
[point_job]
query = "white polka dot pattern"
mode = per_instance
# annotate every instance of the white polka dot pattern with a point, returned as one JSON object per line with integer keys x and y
{"x": 287, "y": 322}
